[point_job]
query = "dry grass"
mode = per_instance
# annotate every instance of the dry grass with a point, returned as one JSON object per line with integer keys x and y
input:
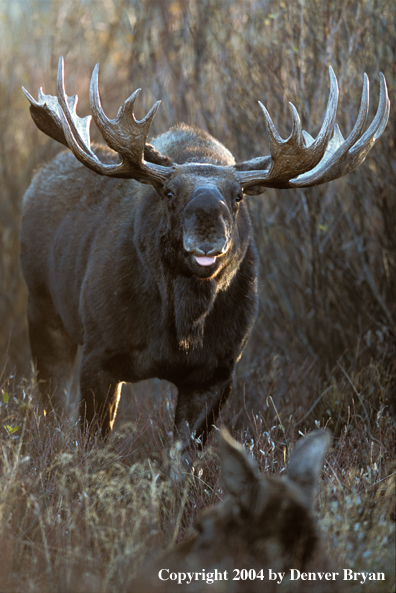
{"x": 323, "y": 348}
{"x": 78, "y": 517}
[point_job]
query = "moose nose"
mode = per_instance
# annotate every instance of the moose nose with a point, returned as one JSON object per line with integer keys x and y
{"x": 210, "y": 249}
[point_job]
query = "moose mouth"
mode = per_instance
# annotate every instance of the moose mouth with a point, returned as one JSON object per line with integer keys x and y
{"x": 205, "y": 261}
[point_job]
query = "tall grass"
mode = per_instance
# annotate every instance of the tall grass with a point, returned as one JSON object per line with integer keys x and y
{"x": 77, "y": 517}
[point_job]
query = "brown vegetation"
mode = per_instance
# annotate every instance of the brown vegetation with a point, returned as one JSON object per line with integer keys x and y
{"x": 262, "y": 535}
{"x": 323, "y": 349}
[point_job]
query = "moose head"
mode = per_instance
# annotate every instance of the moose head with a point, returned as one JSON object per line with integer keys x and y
{"x": 261, "y": 537}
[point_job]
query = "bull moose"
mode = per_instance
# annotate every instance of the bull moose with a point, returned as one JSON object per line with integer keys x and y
{"x": 146, "y": 259}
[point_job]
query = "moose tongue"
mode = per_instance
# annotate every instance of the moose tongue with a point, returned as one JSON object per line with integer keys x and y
{"x": 205, "y": 261}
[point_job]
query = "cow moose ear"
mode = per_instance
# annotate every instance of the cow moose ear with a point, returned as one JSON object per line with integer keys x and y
{"x": 241, "y": 475}
{"x": 306, "y": 462}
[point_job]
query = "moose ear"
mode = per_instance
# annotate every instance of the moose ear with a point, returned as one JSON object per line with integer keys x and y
{"x": 262, "y": 163}
{"x": 241, "y": 475}
{"x": 306, "y": 462}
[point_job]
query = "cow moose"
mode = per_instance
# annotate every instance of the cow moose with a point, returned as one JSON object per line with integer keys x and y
{"x": 264, "y": 523}
{"x": 146, "y": 258}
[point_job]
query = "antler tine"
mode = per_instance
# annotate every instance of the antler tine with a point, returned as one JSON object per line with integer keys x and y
{"x": 381, "y": 117}
{"x": 297, "y": 132}
{"x": 326, "y": 130}
{"x": 384, "y": 121}
{"x": 46, "y": 115}
{"x": 124, "y": 133}
{"x": 274, "y": 138}
{"x": 345, "y": 156}
{"x": 362, "y": 115}
{"x": 101, "y": 119}
{"x": 79, "y": 127}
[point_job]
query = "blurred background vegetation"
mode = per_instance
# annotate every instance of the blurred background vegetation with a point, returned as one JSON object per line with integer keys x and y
{"x": 327, "y": 255}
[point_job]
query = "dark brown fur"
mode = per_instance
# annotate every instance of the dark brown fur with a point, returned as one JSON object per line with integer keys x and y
{"x": 106, "y": 267}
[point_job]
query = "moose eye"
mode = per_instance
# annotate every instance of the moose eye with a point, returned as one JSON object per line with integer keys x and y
{"x": 169, "y": 194}
{"x": 239, "y": 197}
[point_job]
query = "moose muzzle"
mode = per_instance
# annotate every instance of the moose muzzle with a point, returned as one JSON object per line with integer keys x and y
{"x": 207, "y": 226}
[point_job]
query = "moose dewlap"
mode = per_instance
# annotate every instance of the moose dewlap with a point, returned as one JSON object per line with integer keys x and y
{"x": 146, "y": 258}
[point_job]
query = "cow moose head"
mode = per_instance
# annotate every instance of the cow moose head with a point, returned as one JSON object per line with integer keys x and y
{"x": 261, "y": 537}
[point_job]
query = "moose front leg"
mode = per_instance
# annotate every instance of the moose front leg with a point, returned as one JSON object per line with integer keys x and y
{"x": 53, "y": 352}
{"x": 197, "y": 411}
{"x": 100, "y": 394}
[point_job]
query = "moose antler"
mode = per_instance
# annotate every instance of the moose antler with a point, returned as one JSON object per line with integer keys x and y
{"x": 57, "y": 117}
{"x": 298, "y": 161}
{"x": 301, "y": 161}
